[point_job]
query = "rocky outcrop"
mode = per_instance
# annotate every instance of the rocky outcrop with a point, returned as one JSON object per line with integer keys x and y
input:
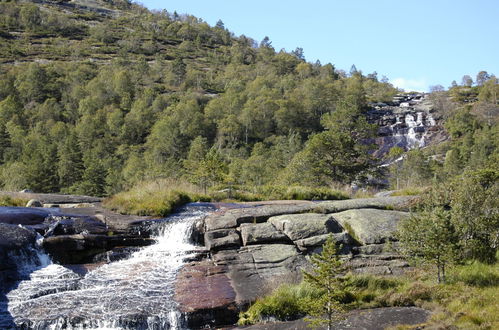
{"x": 255, "y": 248}
{"x": 301, "y": 226}
{"x": 16, "y": 243}
{"x": 261, "y": 233}
{"x": 69, "y": 237}
{"x": 82, "y": 248}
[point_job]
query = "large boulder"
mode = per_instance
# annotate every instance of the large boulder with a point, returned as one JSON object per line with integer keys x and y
{"x": 14, "y": 237}
{"x": 34, "y": 203}
{"x": 70, "y": 225}
{"x": 15, "y": 243}
{"x": 261, "y": 233}
{"x": 300, "y": 226}
{"x": 370, "y": 226}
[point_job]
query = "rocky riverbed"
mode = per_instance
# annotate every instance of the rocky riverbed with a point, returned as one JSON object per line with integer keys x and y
{"x": 249, "y": 248}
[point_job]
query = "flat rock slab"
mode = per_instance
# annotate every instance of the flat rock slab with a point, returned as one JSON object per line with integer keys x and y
{"x": 368, "y": 319}
{"x": 261, "y": 233}
{"x": 300, "y": 226}
{"x": 261, "y": 211}
{"x": 25, "y": 216}
{"x": 402, "y": 203}
{"x": 255, "y": 270}
{"x": 371, "y": 226}
{"x": 254, "y": 213}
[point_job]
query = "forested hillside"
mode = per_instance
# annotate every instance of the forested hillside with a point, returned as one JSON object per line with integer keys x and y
{"x": 97, "y": 96}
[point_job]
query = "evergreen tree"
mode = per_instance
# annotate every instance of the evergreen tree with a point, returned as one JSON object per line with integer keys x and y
{"x": 339, "y": 154}
{"x": 431, "y": 237}
{"x": 327, "y": 267}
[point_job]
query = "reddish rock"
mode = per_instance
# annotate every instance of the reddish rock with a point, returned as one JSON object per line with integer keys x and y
{"x": 205, "y": 295}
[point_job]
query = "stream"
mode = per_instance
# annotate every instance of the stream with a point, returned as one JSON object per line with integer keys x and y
{"x": 134, "y": 293}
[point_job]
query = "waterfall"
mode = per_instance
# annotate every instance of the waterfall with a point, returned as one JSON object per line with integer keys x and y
{"x": 136, "y": 293}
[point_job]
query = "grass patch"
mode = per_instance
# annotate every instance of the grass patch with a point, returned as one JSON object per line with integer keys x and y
{"x": 9, "y": 201}
{"x": 287, "y": 302}
{"x": 161, "y": 197}
{"x": 158, "y": 198}
{"x": 412, "y": 191}
{"x": 467, "y": 301}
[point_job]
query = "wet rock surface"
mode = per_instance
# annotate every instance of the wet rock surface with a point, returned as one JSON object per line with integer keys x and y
{"x": 205, "y": 295}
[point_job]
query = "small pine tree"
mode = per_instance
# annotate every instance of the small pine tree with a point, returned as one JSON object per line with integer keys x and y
{"x": 430, "y": 237}
{"x": 327, "y": 266}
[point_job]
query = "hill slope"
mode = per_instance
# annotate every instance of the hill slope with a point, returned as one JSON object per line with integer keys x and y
{"x": 96, "y": 96}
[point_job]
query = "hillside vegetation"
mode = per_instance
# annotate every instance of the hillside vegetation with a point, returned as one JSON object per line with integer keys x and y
{"x": 99, "y": 96}
{"x": 95, "y": 101}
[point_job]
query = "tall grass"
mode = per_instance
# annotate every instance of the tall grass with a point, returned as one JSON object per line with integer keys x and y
{"x": 156, "y": 198}
{"x": 162, "y": 196}
{"x": 287, "y": 302}
{"x": 9, "y": 201}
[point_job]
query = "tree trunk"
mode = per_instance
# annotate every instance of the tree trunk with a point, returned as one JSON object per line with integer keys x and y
{"x": 438, "y": 270}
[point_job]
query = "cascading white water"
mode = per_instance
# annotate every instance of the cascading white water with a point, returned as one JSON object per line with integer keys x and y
{"x": 413, "y": 141}
{"x": 136, "y": 293}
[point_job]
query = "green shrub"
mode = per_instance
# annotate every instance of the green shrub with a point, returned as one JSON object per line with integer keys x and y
{"x": 476, "y": 274}
{"x": 9, "y": 201}
{"x": 287, "y": 302}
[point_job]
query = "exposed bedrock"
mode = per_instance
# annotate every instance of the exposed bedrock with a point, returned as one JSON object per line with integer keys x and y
{"x": 254, "y": 249}
{"x": 70, "y": 236}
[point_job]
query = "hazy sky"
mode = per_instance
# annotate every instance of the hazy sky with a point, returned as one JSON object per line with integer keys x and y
{"x": 416, "y": 44}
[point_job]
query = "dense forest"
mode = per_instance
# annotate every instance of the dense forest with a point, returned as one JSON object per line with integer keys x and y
{"x": 94, "y": 100}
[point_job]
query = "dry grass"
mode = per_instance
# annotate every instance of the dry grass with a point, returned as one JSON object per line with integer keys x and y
{"x": 156, "y": 198}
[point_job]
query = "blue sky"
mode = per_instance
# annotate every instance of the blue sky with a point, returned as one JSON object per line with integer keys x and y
{"x": 416, "y": 44}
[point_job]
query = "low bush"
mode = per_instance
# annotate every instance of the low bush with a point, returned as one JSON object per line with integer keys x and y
{"x": 158, "y": 198}
{"x": 9, "y": 201}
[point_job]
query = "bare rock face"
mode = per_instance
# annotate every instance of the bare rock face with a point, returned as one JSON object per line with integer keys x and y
{"x": 222, "y": 239}
{"x": 82, "y": 248}
{"x": 15, "y": 242}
